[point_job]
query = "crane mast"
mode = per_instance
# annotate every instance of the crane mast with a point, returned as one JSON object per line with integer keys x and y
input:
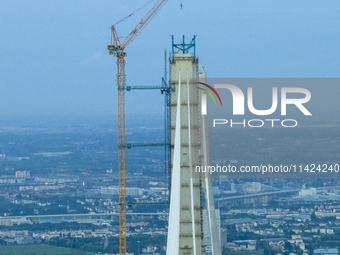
{"x": 121, "y": 151}
{"x": 117, "y": 49}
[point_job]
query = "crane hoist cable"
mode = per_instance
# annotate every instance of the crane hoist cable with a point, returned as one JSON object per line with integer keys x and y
{"x": 128, "y": 16}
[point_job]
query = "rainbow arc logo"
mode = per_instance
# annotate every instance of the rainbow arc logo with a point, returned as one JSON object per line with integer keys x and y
{"x": 204, "y": 97}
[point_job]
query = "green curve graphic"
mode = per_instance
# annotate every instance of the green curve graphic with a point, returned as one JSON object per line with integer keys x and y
{"x": 208, "y": 92}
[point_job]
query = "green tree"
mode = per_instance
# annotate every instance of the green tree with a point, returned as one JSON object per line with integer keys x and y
{"x": 288, "y": 246}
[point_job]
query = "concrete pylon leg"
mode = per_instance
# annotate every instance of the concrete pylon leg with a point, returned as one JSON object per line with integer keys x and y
{"x": 189, "y": 140}
{"x": 207, "y": 187}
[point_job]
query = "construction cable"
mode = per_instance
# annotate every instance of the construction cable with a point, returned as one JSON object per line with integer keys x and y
{"x": 133, "y": 13}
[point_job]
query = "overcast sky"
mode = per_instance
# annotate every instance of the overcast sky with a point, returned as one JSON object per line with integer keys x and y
{"x": 54, "y": 58}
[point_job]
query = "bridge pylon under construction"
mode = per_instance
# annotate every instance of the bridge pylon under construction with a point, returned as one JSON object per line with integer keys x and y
{"x": 189, "y": 148}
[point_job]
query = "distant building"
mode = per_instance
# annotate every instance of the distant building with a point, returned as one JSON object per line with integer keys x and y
{"x": 253, "y": 187}
{"x": 57, "y": 179}
{"x": 23, "y": 174}
{"x": 307, "y": 192}
{"x": 134, "y": 192}
{"x": 109, "y": 190}
{"x": 326, "y": 251}
{"x": 5, "y": 222}
{"x": 114, "y": 191}
{"x": 10, "y": 221}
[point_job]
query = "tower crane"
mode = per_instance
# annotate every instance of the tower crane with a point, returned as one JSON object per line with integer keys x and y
{"x": 117, "y": 49}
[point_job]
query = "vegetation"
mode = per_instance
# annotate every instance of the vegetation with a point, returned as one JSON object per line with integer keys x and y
{"x": 243, "y": 252}
{"x": 41, "y": 249}
{"x": 52, "y": 226}
{"x": 96, "y": 244}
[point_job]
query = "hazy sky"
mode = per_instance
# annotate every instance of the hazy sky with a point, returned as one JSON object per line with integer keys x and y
{"x": 54, "y": 58}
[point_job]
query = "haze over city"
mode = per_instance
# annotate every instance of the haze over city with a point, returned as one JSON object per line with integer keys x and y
{"x": 66, "y": 152}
